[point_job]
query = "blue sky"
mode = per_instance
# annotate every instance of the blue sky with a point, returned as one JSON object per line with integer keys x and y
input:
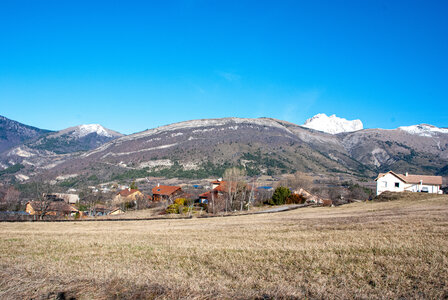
{"x": 134, "y": 65}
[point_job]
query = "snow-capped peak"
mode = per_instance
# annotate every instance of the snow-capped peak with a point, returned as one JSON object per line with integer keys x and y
{"x": 332, "y": 124}
{"x": 83, "y": 130}
{"x": 423, "y": 129}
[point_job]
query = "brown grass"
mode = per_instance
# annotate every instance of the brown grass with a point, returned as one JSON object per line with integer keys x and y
{"x": 363, "y": 250}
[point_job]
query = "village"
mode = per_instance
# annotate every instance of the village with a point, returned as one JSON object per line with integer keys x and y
{"x": 236, "y": 193}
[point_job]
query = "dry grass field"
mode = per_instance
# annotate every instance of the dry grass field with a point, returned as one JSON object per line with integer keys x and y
{"x": 396, "y": 249}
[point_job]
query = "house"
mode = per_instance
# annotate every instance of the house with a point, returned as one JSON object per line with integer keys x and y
{"x": 50, "y": 208}
{"x": 103, "y": 210}
{"x": 311, "y": 198}
{"x": 204, "y": 197}
{"x": 221, "y": 188}
{"x": 99, "y": 210}
{"x": 116, "y": 211}
{"x": 166, "y": 192}
{"x": 128, "y": 195}
{"x": 68, "y": 198}
{"x": 216, "y": 183}
{"x": 394, "y": 182}
{"x": 218, "y": 189}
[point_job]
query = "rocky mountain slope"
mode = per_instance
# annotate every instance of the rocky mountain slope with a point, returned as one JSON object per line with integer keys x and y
{"x": 13, "y": 133}
{"x": 74, "y": 139}
{"x": 52, "y": 148}
{"x": 204, "y": 148}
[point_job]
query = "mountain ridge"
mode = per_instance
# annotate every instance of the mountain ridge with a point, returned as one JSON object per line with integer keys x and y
{"x": 262, "y": 146}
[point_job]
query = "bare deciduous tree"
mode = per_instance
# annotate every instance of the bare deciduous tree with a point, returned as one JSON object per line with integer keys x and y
{"x": 298, "y": 180}
{"x": 10, "y": 199}
{"x": 263, "y": 196}
{"x": 42, "y": 203}
{"x": 90, "y": 199}
{"x": 235, "y": 186}
{"x": 141, "y": 201}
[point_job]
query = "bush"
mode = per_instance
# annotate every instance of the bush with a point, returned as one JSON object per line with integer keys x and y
{"x": 172, "y": 209}
{"x": 129, "y": 205}
{"x": 280, "y": 196}
{"x": 180, "y": 201}
{"x": 179, "y": 206}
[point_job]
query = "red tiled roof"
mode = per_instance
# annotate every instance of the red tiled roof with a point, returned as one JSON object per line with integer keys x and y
{"x": 204, "y": 195}
{"x": 165, "y": 190}
{"x": 222, "y": 187}
{"x": 127, "y": 192}
{"x": 415, "y": 179}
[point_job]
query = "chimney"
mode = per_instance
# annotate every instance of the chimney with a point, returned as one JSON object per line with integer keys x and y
{"x": 129, "y": 189}
{"x": 406, "y": 174}
{"x": 158, "y": 184}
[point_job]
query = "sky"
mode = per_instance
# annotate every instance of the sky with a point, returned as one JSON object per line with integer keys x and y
{"x": 134, "y": 65}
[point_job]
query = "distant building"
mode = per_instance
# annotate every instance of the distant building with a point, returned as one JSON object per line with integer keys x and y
{"x": 166, "y": 192}
{"x": 220, "y": 190}
{"x": 116, "y": 211}
{"x": 217, "y": 183}
{"x": 312, "y": 198}
{"x": 102, "y": 210}
{"x": 67, "y": 198}
{"x": 217, "y": 191}
{"x": 127, "y": 195}
{"x": 394, "y": 182}
{"x": 50, "y": 208}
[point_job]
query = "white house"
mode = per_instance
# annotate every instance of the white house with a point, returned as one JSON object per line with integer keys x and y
{"x": 394, "y": 182}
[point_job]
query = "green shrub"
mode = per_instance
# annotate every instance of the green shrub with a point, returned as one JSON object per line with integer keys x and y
{"x": 280, "y": 196}
{"x": 172, "y": 209}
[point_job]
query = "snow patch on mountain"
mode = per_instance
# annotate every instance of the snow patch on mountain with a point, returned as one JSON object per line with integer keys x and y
{"x": 83, "y": 130}
{"x": 86, "y": 129}
{"x": 332, "y": 124}
{"x": 423, "y": 130}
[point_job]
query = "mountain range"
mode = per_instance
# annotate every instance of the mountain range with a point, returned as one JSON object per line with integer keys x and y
{"x": 204, "y": 148}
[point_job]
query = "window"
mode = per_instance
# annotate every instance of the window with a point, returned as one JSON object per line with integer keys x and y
{"x": 385, "y": 183}
{"x": 397, "y": 184}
